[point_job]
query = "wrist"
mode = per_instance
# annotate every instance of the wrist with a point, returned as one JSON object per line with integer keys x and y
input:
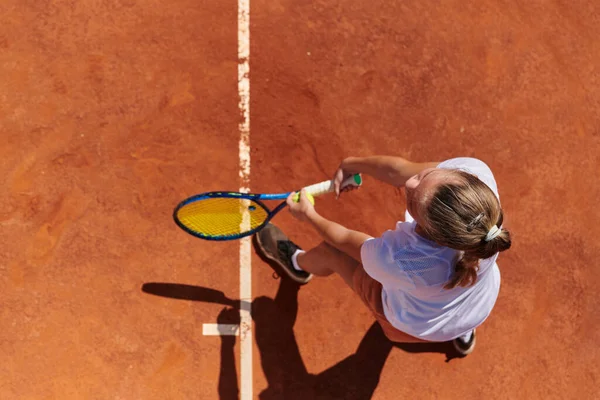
{"x": 350, "y": 164}
{"x": 312, "y": 214}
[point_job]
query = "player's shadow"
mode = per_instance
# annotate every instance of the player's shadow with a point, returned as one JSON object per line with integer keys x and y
{"x": 354, "y": 377}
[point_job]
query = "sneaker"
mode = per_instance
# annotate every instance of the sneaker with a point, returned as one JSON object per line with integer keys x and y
{"x": 276, "y": 246}
{"x": 464, "y": 348}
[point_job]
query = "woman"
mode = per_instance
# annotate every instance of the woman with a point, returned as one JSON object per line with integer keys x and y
{"x": 433, "y": 278}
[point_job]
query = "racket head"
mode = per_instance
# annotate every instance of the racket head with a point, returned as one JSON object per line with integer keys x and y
{"x": 222, "y": 215}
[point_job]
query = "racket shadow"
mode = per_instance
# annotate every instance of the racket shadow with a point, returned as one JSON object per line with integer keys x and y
{"x": 189, "y": 292}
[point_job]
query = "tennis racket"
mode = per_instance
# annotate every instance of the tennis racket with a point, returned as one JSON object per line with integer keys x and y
{"x": 234, "y": 215}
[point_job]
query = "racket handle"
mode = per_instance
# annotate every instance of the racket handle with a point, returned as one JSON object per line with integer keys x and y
{"x": 327, "y": 186}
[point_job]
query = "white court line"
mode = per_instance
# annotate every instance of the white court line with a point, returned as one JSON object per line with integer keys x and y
{"x": 245, "y": 243}
{"x": 220, "y": 329}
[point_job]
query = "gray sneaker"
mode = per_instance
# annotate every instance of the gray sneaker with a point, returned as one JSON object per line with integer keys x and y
{"x": 276, "y": 246}
{"x": 464, "y": 348}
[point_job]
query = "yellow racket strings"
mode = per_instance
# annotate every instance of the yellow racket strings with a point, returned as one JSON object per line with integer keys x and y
{"x": 221, "y": 216}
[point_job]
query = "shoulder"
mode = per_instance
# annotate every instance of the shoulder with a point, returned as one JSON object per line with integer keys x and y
{"x": 382, "y": 248}
{"x": 475, "y": 167}
{"x": 465, "y": 163}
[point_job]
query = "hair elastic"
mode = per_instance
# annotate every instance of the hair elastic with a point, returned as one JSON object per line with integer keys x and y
{"x": 493, "y": 233}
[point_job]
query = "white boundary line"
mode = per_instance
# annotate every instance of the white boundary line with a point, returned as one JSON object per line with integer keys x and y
{"x": 245, "y": 243}
{"x": 220, "y": 329}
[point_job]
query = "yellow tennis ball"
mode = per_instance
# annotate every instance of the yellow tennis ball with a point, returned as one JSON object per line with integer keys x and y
{"x": 310, "y": 197}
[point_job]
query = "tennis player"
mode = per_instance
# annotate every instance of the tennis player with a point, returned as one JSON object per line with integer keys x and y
{"x": 434, "y": 278}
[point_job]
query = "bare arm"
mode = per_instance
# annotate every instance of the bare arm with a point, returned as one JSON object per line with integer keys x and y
{"x": 393, "y": 170}
{"x": 340, "y": 237}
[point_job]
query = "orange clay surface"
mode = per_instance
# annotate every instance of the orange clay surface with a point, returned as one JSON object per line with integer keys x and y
{"x": 112, "y": 111}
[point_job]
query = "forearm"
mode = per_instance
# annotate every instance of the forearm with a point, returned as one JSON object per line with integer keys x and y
{"x": 340, "y": 237}
{"x": 393, "y": 170}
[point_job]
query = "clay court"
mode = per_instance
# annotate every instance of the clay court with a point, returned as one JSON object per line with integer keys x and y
{"x": 113, "y": 111}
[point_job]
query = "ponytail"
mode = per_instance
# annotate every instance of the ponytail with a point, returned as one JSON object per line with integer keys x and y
{"x": 464, "y": 214}
{"x": 465, "y": 272}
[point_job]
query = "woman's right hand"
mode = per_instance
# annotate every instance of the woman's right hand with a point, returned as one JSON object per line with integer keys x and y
{"x": 340, "y": 175}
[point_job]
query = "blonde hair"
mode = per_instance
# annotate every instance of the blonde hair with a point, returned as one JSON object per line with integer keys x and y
{"x": 459, "y": 214}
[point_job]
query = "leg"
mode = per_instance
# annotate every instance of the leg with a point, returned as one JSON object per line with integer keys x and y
{"x": 369, "y": 291}
{"x": 325, "y": 259}
{"x": 322, "y": 260}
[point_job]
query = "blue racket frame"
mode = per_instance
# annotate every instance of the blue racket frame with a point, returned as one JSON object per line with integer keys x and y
{"x": 236, "y": 195}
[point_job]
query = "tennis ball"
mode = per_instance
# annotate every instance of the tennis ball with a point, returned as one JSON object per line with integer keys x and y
{"x": 310, "y": 198}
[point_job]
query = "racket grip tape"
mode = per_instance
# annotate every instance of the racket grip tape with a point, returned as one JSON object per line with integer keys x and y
{"x": 327, "y": 186}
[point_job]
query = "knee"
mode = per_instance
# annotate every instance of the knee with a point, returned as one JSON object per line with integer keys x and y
{"x": 323, "y": 273}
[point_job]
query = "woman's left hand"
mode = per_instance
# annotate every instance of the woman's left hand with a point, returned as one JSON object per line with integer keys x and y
{"x": 301, "y": 209}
